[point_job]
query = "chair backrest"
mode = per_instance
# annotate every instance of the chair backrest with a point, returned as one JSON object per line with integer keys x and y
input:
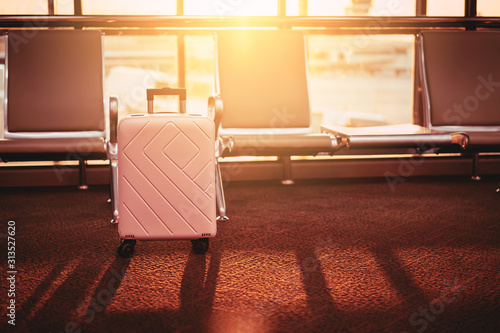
{"x": 261, "y": 76}
{"x": 54, "y": 84}
{"x": 460, "y": 72}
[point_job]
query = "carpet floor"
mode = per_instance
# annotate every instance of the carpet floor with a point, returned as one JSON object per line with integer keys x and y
{"x": 352, "y": 255}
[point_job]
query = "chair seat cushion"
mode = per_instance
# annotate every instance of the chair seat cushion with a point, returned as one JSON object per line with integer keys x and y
{"x": 69, "y": 149}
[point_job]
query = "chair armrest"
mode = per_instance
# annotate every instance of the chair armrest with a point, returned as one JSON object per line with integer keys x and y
{"x": 215, "y": 111}
{"x": 113, "y": 128}
{"x": 113, "y": 118}
{"x": 461, "y": 139}
{"x": 225, "y": 146}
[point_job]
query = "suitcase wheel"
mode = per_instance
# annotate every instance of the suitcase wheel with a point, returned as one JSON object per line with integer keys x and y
{"x": 200, "y": 246}
{"x": 126, "y": 248}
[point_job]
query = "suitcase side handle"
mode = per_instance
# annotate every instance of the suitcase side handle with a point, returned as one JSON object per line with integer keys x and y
{"x": 181, "y": 92}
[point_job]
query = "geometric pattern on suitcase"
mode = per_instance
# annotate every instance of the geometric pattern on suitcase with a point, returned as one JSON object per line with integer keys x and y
{"x": 166, "y": 166}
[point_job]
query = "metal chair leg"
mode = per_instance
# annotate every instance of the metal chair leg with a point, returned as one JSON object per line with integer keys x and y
{"x": 475, "y": 167}
{"x": 82, "y": 169}
{"x": 219, "y": 193}
{"x": 287, "y": 171}
{"x": 113, "y": 186}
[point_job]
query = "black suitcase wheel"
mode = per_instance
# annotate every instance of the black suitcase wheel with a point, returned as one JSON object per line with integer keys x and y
{"x": 200, "y": 246}
{"x": 126, "y": 248}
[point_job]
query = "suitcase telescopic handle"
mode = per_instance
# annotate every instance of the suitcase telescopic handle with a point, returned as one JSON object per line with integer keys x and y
{"x": 181, "y": 92}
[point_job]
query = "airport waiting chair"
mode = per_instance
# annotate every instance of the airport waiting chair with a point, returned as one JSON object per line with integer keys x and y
{"x": 261, "y": 85}
{"x": 460, "y": 78}
{"x": 54, "y": 103}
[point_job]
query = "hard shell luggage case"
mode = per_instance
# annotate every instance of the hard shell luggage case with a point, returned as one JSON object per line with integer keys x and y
{"x": 166, "y": 177}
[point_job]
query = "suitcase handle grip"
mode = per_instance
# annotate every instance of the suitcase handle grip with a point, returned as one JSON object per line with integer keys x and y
{"x": 166, "y": 91}
{"x": 181, "y": 92}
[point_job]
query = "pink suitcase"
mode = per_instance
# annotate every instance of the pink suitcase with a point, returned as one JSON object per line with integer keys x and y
{"x": 166, "y": 177}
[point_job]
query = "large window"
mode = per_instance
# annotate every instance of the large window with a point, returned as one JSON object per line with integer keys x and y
{"x": 36, "y": 7}
{"x": 361, "y": 80}
{"x": 129, "y": 7}
{"x": 136, "y": 63}
{"x": 20, "y": 7}
{"x": 361, "y": 8}
{"x": 488, "y": 8}
{"x": 231, "y": 7}
{"x": 445, "y": 8}
{"x": 200, "y": 81}
{"x": 356, "y": 79}
{"x": 353, "y": 80}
